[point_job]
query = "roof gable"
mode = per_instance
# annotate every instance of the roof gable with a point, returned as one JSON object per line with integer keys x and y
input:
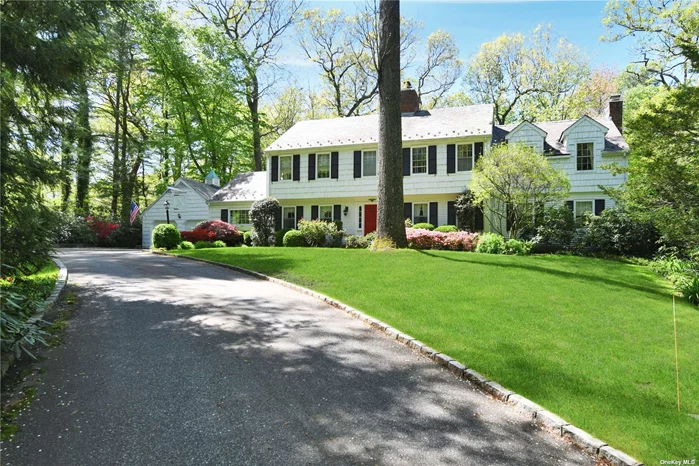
{"x": 580, "y": 121}
{"x": 526, "y": 125}
{"x": 553, "y": 144}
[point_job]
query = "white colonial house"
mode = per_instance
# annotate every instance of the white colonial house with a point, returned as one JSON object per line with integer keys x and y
{"x": 326, "y": 169}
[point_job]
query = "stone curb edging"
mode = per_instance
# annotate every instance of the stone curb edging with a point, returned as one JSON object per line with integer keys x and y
{"x": 9, "y": 358}
{"x": 541, "y": 416}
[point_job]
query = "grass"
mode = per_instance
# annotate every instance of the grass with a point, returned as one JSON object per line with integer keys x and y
{"x": 38, "y": 285}
{"x": 589, "y": 339}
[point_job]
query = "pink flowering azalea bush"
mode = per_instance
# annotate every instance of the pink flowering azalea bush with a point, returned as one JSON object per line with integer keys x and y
{"x": 453, "y": 241}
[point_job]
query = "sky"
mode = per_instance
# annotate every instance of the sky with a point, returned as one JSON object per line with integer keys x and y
{"x": 472, "y": 23}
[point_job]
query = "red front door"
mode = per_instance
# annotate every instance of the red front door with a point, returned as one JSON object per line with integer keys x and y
{"x": 369, "y": 218}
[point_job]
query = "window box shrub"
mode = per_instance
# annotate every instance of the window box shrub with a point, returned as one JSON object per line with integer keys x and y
{"x": 447, "y": 229}
{"x": 491, "y": 243}
{"x": 166, "y": 236}
{"x": 423, "y": 226}
{"x": 294, "y": 239}
{"x": 279, "y": 236}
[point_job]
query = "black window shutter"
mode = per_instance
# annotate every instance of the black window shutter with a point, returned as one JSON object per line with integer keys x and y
{"x": 357, "y": 164}
{"x": 408, "y": 210}
{"x": 478, "y": 152}
{"x": 478, "y": 223}
{"x": 337, "y": 212}
{"x": 275, "y": 168}
{"x": 334, "y": 162}
{"x": 406, "y": 161}
{"x": 224, "y": 215}
{"x": 314, "y": 212}
{"x": 278, "y": 219}
{"x": 432, "y": 160}
{"x": 311, "y": 167}
{"x": 599, "y": 206}
{"x": 570, "y": 205}
{"x": 451, "y": 160}
{"x": 299, "y": 214}
{"x": 296, "y": 176}
{"x": 433, "y": 213}
{"x": 451, "y": 213}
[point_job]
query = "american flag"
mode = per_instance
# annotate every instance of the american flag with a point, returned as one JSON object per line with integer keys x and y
{"x": 134, "y": 211}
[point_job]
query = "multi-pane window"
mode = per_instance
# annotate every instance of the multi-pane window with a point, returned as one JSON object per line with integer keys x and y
{"x": 289, "y": 217}
{"x": 360, "y": 217}
{"x": 585, "y": 156}
{"x": 285, "y": 168}
{"x": 419, "y": 159}
{"x": 581, "y": 208}
{"x": 464, "y": 157}
{"x": 240, "y": 217}
{"x": 326, "y": 213}
{"x": 369, "y": 163}
{"x": 420, "y": 213}
{"x": 323, "y": 166}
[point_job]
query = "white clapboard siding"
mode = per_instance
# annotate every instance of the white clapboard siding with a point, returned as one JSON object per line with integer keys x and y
{"x": 347, "y": 186}
{"x": 187, "y": 208}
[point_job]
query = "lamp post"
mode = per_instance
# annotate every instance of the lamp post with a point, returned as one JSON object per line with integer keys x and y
{"x": 167, "y": 211}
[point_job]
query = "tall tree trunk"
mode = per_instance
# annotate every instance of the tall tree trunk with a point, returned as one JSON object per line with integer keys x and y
{"x": 390, "y": 222}
{"x": 253, "y": 98}
{"x": 116, "y": 171}
{"x": 66, "y": 168}
{"x": 84, "y": 138}
{"x": 126, "y": 181}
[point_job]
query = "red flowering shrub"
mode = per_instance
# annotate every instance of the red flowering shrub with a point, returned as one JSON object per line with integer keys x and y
{"x": 223, "y": 231}
{"x": 102, "y": 228}
{"x": 197, "y": 235}
{"x": 454, "y": 241}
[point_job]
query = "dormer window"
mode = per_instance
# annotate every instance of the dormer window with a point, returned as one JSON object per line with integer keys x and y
{"x": 585, "y": 156}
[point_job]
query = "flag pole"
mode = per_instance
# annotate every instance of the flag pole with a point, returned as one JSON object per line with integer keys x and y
{"x": 677, "y": 366}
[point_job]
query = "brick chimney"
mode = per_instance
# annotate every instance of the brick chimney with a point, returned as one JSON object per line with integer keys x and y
{"x": 409, "y": 100}
{"x": 616, "y": 111}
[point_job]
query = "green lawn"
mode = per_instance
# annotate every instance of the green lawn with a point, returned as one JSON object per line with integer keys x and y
{"x": 38, "y": 285}
{"x": 589, "y": 339}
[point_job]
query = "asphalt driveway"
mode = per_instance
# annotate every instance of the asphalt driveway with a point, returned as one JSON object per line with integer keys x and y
{"x": 168, "y": 361}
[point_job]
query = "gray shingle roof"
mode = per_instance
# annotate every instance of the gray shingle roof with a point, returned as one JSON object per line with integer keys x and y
{"x": 437, "y": 123}
{"x": 205, "y": 190}
{"x": 613, "y": 141}
{"x": 249, "y": 186}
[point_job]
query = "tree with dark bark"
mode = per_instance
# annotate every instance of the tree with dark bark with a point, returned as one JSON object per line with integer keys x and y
{"x": 390, "y": 222}
{"x": 255, "y": 27}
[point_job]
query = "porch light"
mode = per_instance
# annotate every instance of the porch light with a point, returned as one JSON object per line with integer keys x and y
{"x": 346, "y": 210}
{"x": 167, "y": 211}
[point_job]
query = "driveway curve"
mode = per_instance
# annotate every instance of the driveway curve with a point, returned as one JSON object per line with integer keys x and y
{"x": 169, "y": 361}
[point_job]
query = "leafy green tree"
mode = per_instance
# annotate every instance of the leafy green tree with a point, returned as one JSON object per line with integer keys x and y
{"x": 513, "y": 180}
{"x": 526, "y": 77}
{"x": 200, "y": 122}
{"x": 663, "y": 171}
{"x": 255, "y": 29}
{"x": 666, "y": 33}
{"x": 345, "y": 48}
{"x": 45, "y": 48}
